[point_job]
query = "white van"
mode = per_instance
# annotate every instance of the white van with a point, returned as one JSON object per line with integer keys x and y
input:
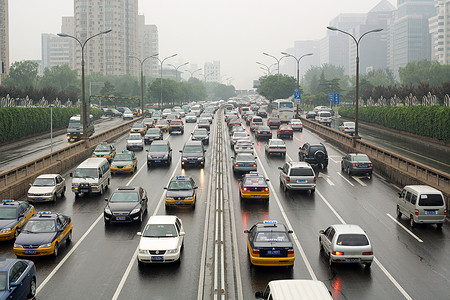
{"x": 255, "y": 122}
{"x": 422, "y": 204}
{"x": 324, "y": 117}
{"x": 295, "y": 289}
{"x": 91, "y": 176}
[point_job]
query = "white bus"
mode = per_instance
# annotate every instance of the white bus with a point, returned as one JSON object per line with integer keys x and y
{"x": 283, "y": 109}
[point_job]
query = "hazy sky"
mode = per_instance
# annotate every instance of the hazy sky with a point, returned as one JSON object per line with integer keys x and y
{"x": 235, "y": 32}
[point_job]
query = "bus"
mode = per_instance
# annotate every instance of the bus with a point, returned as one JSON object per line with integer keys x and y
{"x": 75, "y": 129}
{"x": 283, "y": 109}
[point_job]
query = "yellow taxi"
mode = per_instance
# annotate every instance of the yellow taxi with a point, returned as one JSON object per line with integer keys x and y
{"x": 124, "y": 162}
{"x": 13, "y": 215}
{"x": 253, "y": 186}
{"x": 181, "y": 191}
{"x": 105, "y": 150}
{"x": 138, "y": 127}
{"x": 163, "y": 124}
{"x": 43, "y": 234}
{"x": 270, "y": 244}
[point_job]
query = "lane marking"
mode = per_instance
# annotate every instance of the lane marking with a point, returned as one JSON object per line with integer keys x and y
{"x": 326, "y": 177}
{"x": 359, "y": 181}
{"x": 339, "y": 173}
{"x": 406, "y": 229}
{"x": 333, "y": 159}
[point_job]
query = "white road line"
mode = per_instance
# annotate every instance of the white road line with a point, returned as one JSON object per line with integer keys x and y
{"x": 359, "y": 181}
{"x": 385, "y": 271}
{"x": 339, "y": 173}
{"x": 333, "y": 157}
{"x": 326, "y": 177}
{"x": 287, "y": 155}
{"x": 406, "y": 229}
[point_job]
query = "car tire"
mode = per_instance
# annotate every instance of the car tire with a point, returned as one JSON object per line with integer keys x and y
{"x": 399, "y": 213}
{"x": 149, "y": 165}
{"x": 107, "y": 223}
{"x": 342, "y": 167}
{"x": 285, "y": 188}
{"x": 312, "y": 191}
{"x": 321, "y": 250}
{"x": 32, "y": 292}
{"x": 439, "y": 226}
{"x": 411, "y": 222}
{"x": 69, "y": 237}
{"x": 349, "y": 172}
{"x": 193, "y": 206}
{"x": 330, "y": 261}
{"x": 368, "y": 265}
{"x": 140, "y": 217}
{"x": 63, "y": 192}
{"x": 56, "y": 250}
{"x": 324, "y": 166}
{"x": 54, "y": 198}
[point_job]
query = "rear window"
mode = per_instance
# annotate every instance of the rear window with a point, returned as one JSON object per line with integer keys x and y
{"x": 301, "y": 172}
{"x": 326, "y": 115}
{"x": 352, "y": 240}
{"x": 257, "y": 120}
{"x": 431, "y": 200}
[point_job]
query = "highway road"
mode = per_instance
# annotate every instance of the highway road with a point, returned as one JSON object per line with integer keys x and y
{"x": 101, "y": 263}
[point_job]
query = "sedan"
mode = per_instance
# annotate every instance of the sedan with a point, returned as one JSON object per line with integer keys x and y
{"x": 18, "y": 279}
{"x": 275, "y": 146}
{"x": 135, "y": 142}
{"x": 263, "y": 132}
{"x": 243, "y": 146}
{"x": 161, "y": 240}
{"x": 201, "y": 135}
{"x": 47, "y": 187}
{"x": 239, "y": 136}
{"x": 347, "y": 127}
{"x": 273, "y": 122}
{"x": 296, "y": 124}
{"x": 244, "y": 162}
{"x": 253, "y": 185}
{"x": 345, "y": 243}
{"x": 203, "y": 123}
{"x": 153, "y": 134}
{"x": 285, "y": 131}
{"x": 13, "y": 215}
{"x": 163, "y": 124}
{"x": 357, "y": 163}
{"x": 127, "y": 204}
{"x": 124, "y": 162}
{"x": 311, "y": 115}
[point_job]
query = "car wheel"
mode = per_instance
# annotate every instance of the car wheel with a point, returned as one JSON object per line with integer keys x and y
{"x": 411, "y": 222}
{"x": 368, "y": 265}
{"x": 312, "y": 190}
{"x": 101, "y": 190}
{"x": 342, "y": 167}
{"x": 149, "y": 165}
{"x": 349, "y": 172}
{"x": 284, "y": 188}
{"x": 439, "y": 226}
{"x": 32, "y": 292}
{"x": 54, "y": 197}
{"x": 107, "y": 223}
{"x": 55, "y": 251}
{"x": 320, "y": 247}
{"x": 69, "y": 237}
{"x": 330, "y": 260}
{"x": 399, "y": 213}
{"x": 324, "y": 166}
{"x": 63, "y": 192}
{"x": 140, "y": 217}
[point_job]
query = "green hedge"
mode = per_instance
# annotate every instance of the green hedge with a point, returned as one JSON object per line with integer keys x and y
{"x": 431, "y": 121}
{"x": 17, "y": 122}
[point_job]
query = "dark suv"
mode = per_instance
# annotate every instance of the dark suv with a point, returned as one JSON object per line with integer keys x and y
{"x": 314, "y": 154}
{"x": 159, "y": 153}
{"x": 193, "y": 154}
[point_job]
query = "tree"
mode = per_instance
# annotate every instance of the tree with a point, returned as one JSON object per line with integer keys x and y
{"x": 425, "y": 71}
{"x": 224, "y": 92}
{"x": 22, "y": 74}
{"x": 108, "y": 89}
{"x": 59, "y": 77}
{"x": 380, "y": 77}
{"x": 278, "y": 86}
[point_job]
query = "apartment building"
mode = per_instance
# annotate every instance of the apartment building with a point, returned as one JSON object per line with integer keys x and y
{"x": 4, "y": 39}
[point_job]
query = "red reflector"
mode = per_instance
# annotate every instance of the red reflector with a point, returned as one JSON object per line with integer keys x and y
{"x": 255, "y": 251}
{"x": 288, "y": 179}
{"x": 259, "y": 132}
{"x": 291, "y": 251}
{"x": 282, "y": 147}
{"x": 367, "y": 253}
{"x": 416, "y": 212}
{"x": 370, "y": 165}
{"x": 339, "y": 253}
{"x": 354, "y": 165}
{"x": 315, "y": 179}
{"x": 445, "y": 212}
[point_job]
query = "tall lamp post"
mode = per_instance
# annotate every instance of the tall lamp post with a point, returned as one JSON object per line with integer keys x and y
{"x": 176, "y": 69}
{"x": 141, "y": 62}
{"x": 266, "y": 66}
{"x": 84, "y": 114}
{"x": 161, "y": 62}
{"x": 193, "y": 72}
{"x": 277, "y": 59}
{"x": 357, "y": 72}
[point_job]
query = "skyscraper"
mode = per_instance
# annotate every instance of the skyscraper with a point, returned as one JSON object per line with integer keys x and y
{"x": 55, "y": 51}
{"x": 4, "y": 39}
{"x": 147, "y": 38}
{"x": 440, "y": 32}
{"x": 211, "y": 71}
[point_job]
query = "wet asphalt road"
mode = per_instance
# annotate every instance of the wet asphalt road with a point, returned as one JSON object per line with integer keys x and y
{"x": 100, "y": 263}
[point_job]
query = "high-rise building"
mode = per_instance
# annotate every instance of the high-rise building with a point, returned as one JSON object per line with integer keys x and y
{"x": 68, "y": 27}
{"x": 289, "y": 65}
{"x": 147, "y": 39}
{"x": 440, "y": 32}
{"x": 409, "y": 36}
{"x": 55, "y": 51}
{"x": 4, "y": 39}
{"x": 211, "y": 71}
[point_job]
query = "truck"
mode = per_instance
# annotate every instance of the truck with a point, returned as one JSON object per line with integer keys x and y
{"x": 75, "y": 128}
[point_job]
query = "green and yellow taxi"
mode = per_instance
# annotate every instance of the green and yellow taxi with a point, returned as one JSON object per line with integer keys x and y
{"x": 269, "y": 244}
{"x": 253, "y": 186}
{"x": 43, "y": 234}
{"x": 181, "y": 191}
{"x": 13, "y": 215}
{"x": 105, "y": 150}
{"x": 138, "y": 127}
{"x": 124, "y": 162}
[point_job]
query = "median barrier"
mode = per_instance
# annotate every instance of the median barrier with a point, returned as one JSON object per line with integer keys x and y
{"x": 15, "y": 182}
{"x": 398, "y": 169}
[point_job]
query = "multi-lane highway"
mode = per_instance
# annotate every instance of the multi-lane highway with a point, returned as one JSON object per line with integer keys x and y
{"x": 101, "y": 263}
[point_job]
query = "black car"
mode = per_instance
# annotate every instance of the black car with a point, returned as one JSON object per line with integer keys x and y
{"x": 263, "y": 132}
{"x": 127, "y": 204}
{"x": 314, "y": 154}
{"x": 201, "y": 134}
{"x": 193, "y": 154}
{"x": 159, "y": 152}
{"x": 153, "y": 134}
{"x": 262, "y": 113}
{"x": 311, "y": 115}
{"x": 356, "y": 163}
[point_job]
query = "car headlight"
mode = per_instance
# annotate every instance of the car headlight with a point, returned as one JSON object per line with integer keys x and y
{"x": 47, "y": 194}
{"x": 142, "y": 251}
{"x": 200, "y": 158}
{"x": 184, "y": 159}
{"x": 107, "y": 211}
{"x": 169, "y": 198}
{"x": 189, "y": 198}
{"x": 18, "y": 246}
{"x": 172, "y": 251}
{"x": 5, "y": 230}
{"x": 45, "y": 245}
{"x": 136, "y": 210}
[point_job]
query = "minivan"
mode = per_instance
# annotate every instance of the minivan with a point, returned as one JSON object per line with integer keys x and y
{"x": 193, "y": 154}
{"x": 255, "y": 122}
{"x": 324, "y": 118}
{"x": 91, "y": 176}
{"x": 298, "y": 289}
{"x": 422, "y": 204}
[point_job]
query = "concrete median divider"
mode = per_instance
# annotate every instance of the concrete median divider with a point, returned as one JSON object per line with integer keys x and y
{"x": 396, "y": 168}
{"x": 15, "y": 182}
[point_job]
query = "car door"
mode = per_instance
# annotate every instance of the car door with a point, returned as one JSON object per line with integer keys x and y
{"x": 283, "y": 173}
{"x": 59, "y": 185}
{"x": 143, "y": 196}
{"x": 327, "y": 239}
{"x": 179, "y": 231}
{"x": 18, "y": 278}
{"x": 401, "y": 201}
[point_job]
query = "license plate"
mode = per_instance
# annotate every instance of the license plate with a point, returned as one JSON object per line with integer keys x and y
{"x": 430, "y": 212}
{"x": 157, "y": 258}
{"x": 121, "y": 218}
{"x": 352, "y": 259}
{"x": 192, "y": 162}
{"x": 38, "y": 198}
{"x": 244, "y": 147}
{"x": 30, "y": 251}
{"x": 178, "y": 202}
{"x": 84, "y": 190}
{"x": 277, "y": 147}
{"x": 256, "y": 196}
{"x": 75, "y": 137}
{"x": 363, "y": 166}
{"x": 273, "y": 252}
{"x": 301, "y": 181}
{"x": 157, "y": 161}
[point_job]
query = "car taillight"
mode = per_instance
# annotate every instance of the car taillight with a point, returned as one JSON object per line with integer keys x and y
{"x": 259, "y": 132}
{"x": 288, "y": 179}
{"x": 290, "y": 251}
{"x": 367, "y": 253}
{"x": 416, "y": 212}
{"x": 315, "y": 179}
{"x": 445, "y": 212}
{"x": 338, "y": 253}
{"x": 270, "y": 132}
{"x": 282, "y": 147}
{"x": 346, "y": 127}
{"x": 254, "y": 165}
{"x": 255, "y": 251}
{"x": 236, "y": 165}
{"x": 266, "y": 189}
{"x": 307, "y": 152}
{"x": 354, "y": 165}
{"x": 370, "y": 165}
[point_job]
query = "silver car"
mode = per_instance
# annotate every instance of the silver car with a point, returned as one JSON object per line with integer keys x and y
{"x": 238, "y": 136}
{"x": 47, "y": 187}
{"x": 244, "y": 162}
{"x": 296, "y": 124}
{"x": 347, "y": 127}
{"x": 135, "y": 141}
{"x": 297, "y": 175}
{"x": 275, "y": 146}
{"x": 345, "y": 243}
{"x": 243, "y": 146}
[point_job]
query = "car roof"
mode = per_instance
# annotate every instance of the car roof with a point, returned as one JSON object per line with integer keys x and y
{"x": 47, "y": 176}
{"x": 126, "y": 189}
{"x": 277, "y": 140}
{"x": 348, "y": 228}
{"x": 6, "y": 263}
{"x": 160, "y": 143}
{"x": 13, "y": 203}
{"x": 423, "y": 189}
{"x": 193, "y": 143}
{"x": 261, "y": 226}
{"x": 181, "y": 178}
{"x": 300, "y": 164}
{"x": 295, "y": 288}
{"x": 162, "y": 220}
{"x": 44, "y": 215}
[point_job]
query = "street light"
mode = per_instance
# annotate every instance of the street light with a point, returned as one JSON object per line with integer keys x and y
{"x": 176, "y": 69}
{"x": 161, "y": 62}
{"x": 357, "y": 72}
{"x": 141, "y": 62}
{"x": 51, "y": 127}
{"x": 266, "y": 66}
{"x": 193, "y": 72}
{"x": 84, "y": 114}
{"x": 278, "y": 60}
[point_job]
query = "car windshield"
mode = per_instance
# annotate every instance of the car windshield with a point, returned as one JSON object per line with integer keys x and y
{"x": 3, "y": 276}
{"x": 200, "y": 132}
{"x": 153, "y": 131}
{"x": 44, "y": 182}
{"x": 134, "y": 137}
{"x": 39, "y": 226}
{"x": 276, "y": 143}
{"x": 102, "y": 148}
{"x": 245, "y": 158}
{"x": 7, "y": 213}
{"x": 272, "y": 236}
{"x": 326, "y": 115}
{"x": 350, "y": 124}
{"x": 177, "y": 185}
{"x": 255, "y": 181}
{"x": 192, "y": 149}
{"x": 160, "y": 230}
{"x": 361, "y": 158}
{"x": 138, "y": 125}
{"x": 161, "y": 122}
{"x": 352, "y": 240}
{"x": 203, "y": 121}
{"x": 301, "y": 172}
{"x": 176, "y": 123}
{"x": 431, "y": 200}
{"x": 124, "y": 197}
{"x": 85, "y": 173}
{"x": 158, "y": 148}
{"x": 123, "y": 157}
{"x": 240, "y": 134}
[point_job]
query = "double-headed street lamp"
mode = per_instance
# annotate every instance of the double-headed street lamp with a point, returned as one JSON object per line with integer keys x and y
{"x": 266, "y": 66}
{"x": 277, "y": 59}
{"x": 176, "y": 69}
{"x": 161, "y": 62}
{"x": 141, "y": 61}
{"x": 357, "y": 72}
{"x": 84, "y": 114}
{"x": 193, "y": 72}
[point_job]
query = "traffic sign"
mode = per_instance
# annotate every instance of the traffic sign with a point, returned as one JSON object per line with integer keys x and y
{"x": 297, "y": 94}
{"x": 336, "y": 99}
{"x": 330, "y": 97}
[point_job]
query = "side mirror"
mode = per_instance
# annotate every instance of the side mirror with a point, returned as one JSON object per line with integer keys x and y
{"x": 232, "y": 157}
{"x": 204, "y": 151}
{"x": 20, "y": 216}
{"x": 146, "y": 150}
{"x": 31, "y": 184}
{"x": 246, "y": 231}
{"x": 195, "y": 187}
{"x": 321, "y": 232}
{"x": 139, "y": 233}
{"x": 13, "y": 284}
{"x": 181, "y": 151}
{"x": 100, "y": 175}
{"x": 258, "y": 294}
{"x": 165, "y": 187}
{"x": 399, "y": 195}
{"x": 182, "y": 233}
{"x": 106, "y": 199}
{"x": 267, "y": 180}
{"x": 290, "y": 231}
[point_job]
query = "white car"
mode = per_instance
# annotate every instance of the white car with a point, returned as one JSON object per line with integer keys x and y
{"x": 161, "y": 240}
{"x": 191, "y": 118}
{"x": 127, "y": 115}
{"x": 347, "y": 127}
{"x": 239, "y": 136}
{"x": 275, "y": 146}
{"x": 296, "y": 124}
{"x": 135, "y": 141}
{"x": 47, "y": 187}
{"x": 243, "y": 146}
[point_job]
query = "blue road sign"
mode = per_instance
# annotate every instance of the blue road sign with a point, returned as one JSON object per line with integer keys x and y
{"x": 297, "y": 94}
{"x": 330, "y": 97}
{"x": 336, "y": 99}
